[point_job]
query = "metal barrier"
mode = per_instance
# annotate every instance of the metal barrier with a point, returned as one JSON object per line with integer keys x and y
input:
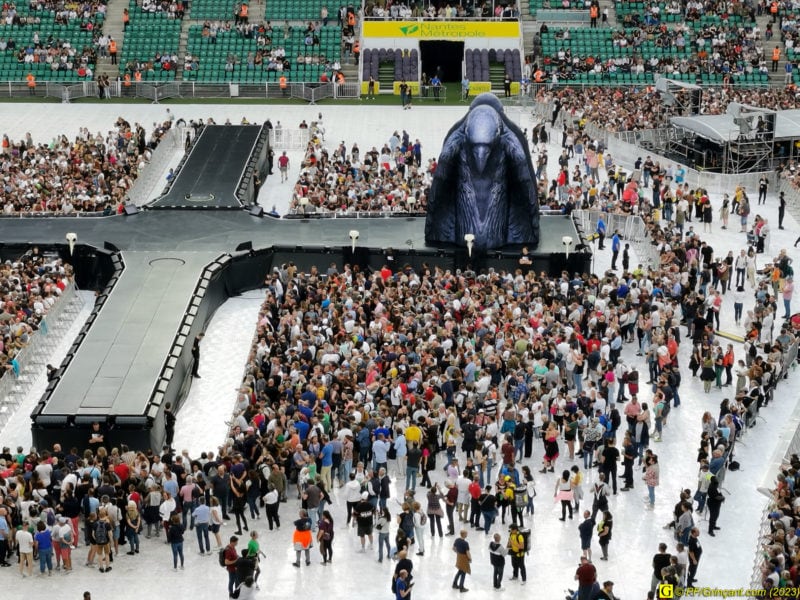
{"x": 770, "y": 476}
{"x": 34, "y": 356}
{"x": 631, "y": 228}
{"x": 150, "y": 175}
{"x": 792, "y": 194}
{"x": 74, "y": 91}
{"x": 301, "y": 213}
{"x": 289, "y": 139}
{"x": 428, "y": 93}
{"x": 347, "y": 90}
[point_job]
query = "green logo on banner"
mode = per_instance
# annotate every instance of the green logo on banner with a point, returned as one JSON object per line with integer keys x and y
{"x": 409, "y": 29}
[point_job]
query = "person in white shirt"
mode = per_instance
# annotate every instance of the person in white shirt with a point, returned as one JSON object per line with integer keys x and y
{"x": 25, "y": 545}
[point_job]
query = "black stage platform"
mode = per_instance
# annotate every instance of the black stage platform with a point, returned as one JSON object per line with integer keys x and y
{"x": 218, "y": 168}
{"x": 179, "y": 266}
{"x": 123, "y": 353}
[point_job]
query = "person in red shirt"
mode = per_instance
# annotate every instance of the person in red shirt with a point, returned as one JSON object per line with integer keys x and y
{"x": 231, "y": 556}
{"x": 586, "y": 575}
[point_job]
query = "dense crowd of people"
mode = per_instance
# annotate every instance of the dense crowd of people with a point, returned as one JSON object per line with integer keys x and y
{"x": 29, "y": 287}
{"x": 441, "y": 10}
{"x": 423, "y": 372}
{"x": 624, "y": 109}
{"x": 726, "y": 50}
{"x": 347, "y": 180}
{"x": 91, "y": 173}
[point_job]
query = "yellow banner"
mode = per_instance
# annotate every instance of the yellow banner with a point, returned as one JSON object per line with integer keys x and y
{"x": 365, "y": 87}
{"x": 479, "y": 87}
{"x": 413, "y": 85}
{"x": 441, "y": 29}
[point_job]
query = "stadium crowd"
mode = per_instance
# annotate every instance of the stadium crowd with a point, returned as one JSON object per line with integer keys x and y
{"x": 727, "y": 50}
{"x": 89, "y": 174}
{"x": 28, "y": 288}
{"x": 624, "y": 109}
{"x": 345, "y": 181}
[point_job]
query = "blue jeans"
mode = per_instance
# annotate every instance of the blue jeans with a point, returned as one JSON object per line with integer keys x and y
{"x": 519, "y": 446}
{"x": 651, "y": 493}
{"x": 488, "y": 518}
{"x": 344, "y": 470}
{"x": 737, "y": 311}
{"x": 177, "y": 550}
{"x": 383, "y": 538}
{"x": 46, "y": 560}
{"x": 202, "y": 535}
{"x": 188, "y": 507}
{"x": 787, "y": 307}
{"x": 253, "y": 505}
{"x": 133, "y": 539}
{"x": 640, "y": 447}
{"x": 232, "y": 582}
{"x": 576, "y": 379}
{"x": 411, "y": 477}
{"x": 489, "y": 467}
{"x": 587, "y": 457}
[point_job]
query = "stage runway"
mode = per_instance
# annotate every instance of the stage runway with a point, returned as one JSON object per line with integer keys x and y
{"x": 119, "y": 361}
{"x": 211, "y": 174}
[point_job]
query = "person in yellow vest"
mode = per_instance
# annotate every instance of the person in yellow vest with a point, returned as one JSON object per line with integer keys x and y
{"x": 773, "y": 10}
{"x": 243, "y": 12}
{"x": 137, "y": 76}
{"x": 283, "y": 85}
{"x": 594, "y": 12}
{"x": 356, "y": 51}
{"x": 126, "y": 17}
{"x": 776, "y": 56}
{"x": 126, "y": 81}
{"x": 112, "y": 50}
{"x": 31, "y": 84}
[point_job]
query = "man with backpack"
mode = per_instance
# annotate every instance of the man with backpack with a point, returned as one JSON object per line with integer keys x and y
{"x": 516, "y": 549}
{"x": 227, "y": 558}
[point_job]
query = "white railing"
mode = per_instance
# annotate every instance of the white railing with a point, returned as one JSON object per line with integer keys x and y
{"x": 632, "y": 229}
{"x": 289, "y": 139}
{"x": 35, "y": 354}
{"x": 771, "y": 470}
{"x": 150, "y": 175}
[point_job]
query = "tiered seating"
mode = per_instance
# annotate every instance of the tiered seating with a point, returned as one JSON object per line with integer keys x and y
{"x": 213, "y": 57}
{"x": 675, "y": 52}
{"x": 149, "y": 35}
{"x": 52, "y": 36}
{"x": 599, "y": 44}
{"x": 299, "y": 10}
{"x": 214, "y": 9}
{"x": 566, "y": 5}
{"x": 673, "y": 13}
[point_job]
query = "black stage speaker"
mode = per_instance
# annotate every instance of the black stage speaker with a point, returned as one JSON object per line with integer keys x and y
{"x": 131, "y": 209}
{"x": 256, "y": 211}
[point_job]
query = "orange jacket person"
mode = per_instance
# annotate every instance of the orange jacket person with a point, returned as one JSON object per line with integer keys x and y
{"x": 31, "y": 83}
{"x": 301, "y": 538}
